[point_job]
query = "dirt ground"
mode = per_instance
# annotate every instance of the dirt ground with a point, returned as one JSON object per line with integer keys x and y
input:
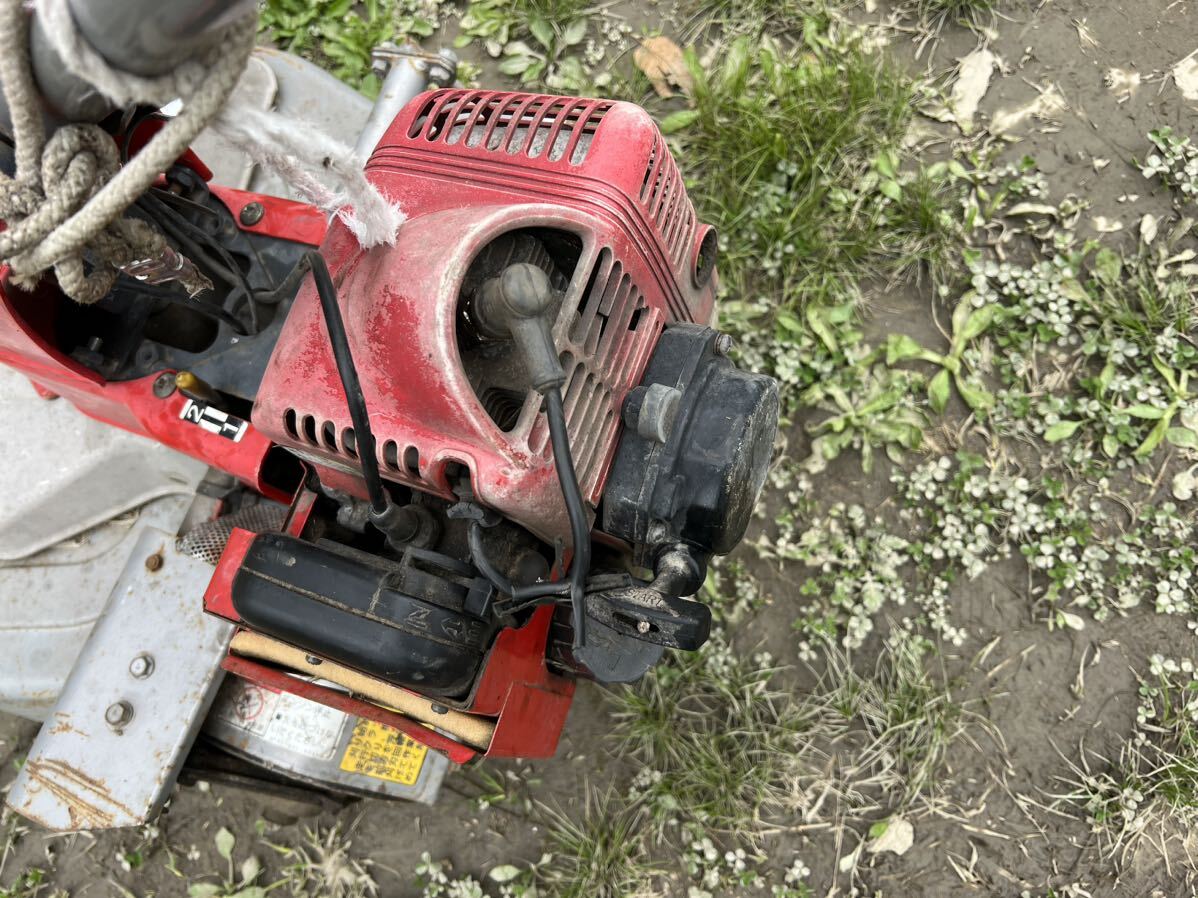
{"x": 995, "y": 842}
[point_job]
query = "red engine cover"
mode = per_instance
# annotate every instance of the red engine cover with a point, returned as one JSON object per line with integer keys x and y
{"x": 468, "y": 167}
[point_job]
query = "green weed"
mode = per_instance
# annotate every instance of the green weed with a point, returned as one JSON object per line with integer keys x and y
{"x": 1152, "y": 789}
{"x": 792, "y": 156}
{"x": 536, "y": 41}
{"x": 598, "y": 850}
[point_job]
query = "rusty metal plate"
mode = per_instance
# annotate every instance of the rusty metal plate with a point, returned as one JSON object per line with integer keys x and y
{"x": 108, "y": 754}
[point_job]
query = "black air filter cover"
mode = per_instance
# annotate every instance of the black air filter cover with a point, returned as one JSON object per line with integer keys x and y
{"x": 700, "y": 485}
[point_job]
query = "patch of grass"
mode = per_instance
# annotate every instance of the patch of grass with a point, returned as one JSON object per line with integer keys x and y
{"x": 716, "y": 736}
{"x": 598, "y": 851}
{"x": 792, "y": 154}
{"x": 904, "y": 708}
{"x": 935, "y": 14}
{"x": 536, "y": 41}
{"x": 340, "y": 34}
{"x": 789, "y": 17}
{"x": 322, "y": 867}
{"x": 1152, "y": 789}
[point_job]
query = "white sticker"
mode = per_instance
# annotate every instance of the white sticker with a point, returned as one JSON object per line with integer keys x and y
{"x": 214, "y": 420}
{"x": 282, "y": 719}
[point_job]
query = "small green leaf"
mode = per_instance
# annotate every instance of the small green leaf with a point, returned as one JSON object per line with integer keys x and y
{"x": 575, "y": 32}
{"x": 939, "y": 390}
{"x": 203, "y": 889}
{"x": 1105, "y": 378}
{"x": 976, "y": 324}
{"x": 1110, "y": 445}
{"x": 225, "y": 841}
{"x": 1154, "y": 439}
{"x": 1147, "y": 412}
{"x": 1062, "y": 430}
{"x": 885, "y": 164}
{"x": 977, "y": 398}
{"x": 818, "y": 323}
{"x": 504, "y": 873}
{"x": 1182, "y": 437}
{"x": 542, "y": 31}
{"x": 878, "y": 829}
{"x": 515, "y": 65}
{"x": 679, "y": 121}
{"x": 900, "y": 347}
{"x": 250, "y": 868}
{"x": 1108, "y": 266}
{"x": 891, "y": 189}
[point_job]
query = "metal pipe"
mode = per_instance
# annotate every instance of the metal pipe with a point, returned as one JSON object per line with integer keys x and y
{"x": 409, "y": 72}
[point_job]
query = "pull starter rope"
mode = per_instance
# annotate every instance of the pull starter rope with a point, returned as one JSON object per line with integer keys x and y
{"x": 69, "y": 193}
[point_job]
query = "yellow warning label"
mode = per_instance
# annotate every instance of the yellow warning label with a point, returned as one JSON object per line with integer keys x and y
{"x": 384, "y": 753}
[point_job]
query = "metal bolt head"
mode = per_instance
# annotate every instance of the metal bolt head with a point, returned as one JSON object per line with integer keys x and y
{"x": 643, "y": 626}
{"x": 154, "y": 562}
{"x": 313, "y": 660}
{"x": 724, "y": 344}
{"x": 444, "y": 70}
{"x": 251, "y": 214}
{"x": 118, "y": 714}
{"x": 164, "y": 385}
{"x": 142, "y": 666}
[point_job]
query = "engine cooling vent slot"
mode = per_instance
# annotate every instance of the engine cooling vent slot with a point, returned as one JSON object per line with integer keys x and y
{"x": 663, "y": 194}
{"x": 610, "y": 335}
{"x": 322, "y": 435}
{"x": 554, "y": 127}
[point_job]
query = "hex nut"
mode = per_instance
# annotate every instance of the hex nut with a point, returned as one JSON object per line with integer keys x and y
{"x": 142, "y": 666}
{"x": 118, "y": 714}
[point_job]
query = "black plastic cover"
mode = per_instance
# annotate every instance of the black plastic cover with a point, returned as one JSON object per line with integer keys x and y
{"x": 700, "y": 486}
{"x": 407, "y": 623}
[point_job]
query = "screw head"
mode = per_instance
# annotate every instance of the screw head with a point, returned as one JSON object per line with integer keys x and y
{"x": 118, "y": 714}
{"x": 251, "y": 214}
{"x": 154, "y": 562}
{"x": 164, "y": 385}
{"x": 142, "y": 666}
{"x": 724, "y": 344}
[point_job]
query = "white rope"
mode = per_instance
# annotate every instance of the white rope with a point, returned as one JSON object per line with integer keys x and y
{"x": 300, "y": 152}
{"x": 69, "y": 193}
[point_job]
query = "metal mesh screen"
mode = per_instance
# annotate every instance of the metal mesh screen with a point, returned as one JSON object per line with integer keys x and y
{"x": 207, "y": 541}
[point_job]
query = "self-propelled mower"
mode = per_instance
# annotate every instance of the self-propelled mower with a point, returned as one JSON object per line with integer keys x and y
{"x": 437, "y": 476}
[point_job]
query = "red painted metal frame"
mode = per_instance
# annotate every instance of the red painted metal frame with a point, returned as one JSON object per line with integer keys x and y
{"x": 27, "y": 317}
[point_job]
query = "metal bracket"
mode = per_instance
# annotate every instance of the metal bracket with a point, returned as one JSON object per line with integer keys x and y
{"x": 109, "y": 753}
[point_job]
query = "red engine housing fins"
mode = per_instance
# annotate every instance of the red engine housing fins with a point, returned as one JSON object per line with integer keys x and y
{"x": 588, "y": 189}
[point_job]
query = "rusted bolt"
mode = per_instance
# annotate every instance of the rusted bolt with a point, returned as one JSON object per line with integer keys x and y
{"x": 164, "y": 385}
{"x": 724, "y": 344}
{"x": 154, "y": 562}
{"x": 251, "y": 214}
{"x": 142, "y": 666}
{"x": 118, "y": 714}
